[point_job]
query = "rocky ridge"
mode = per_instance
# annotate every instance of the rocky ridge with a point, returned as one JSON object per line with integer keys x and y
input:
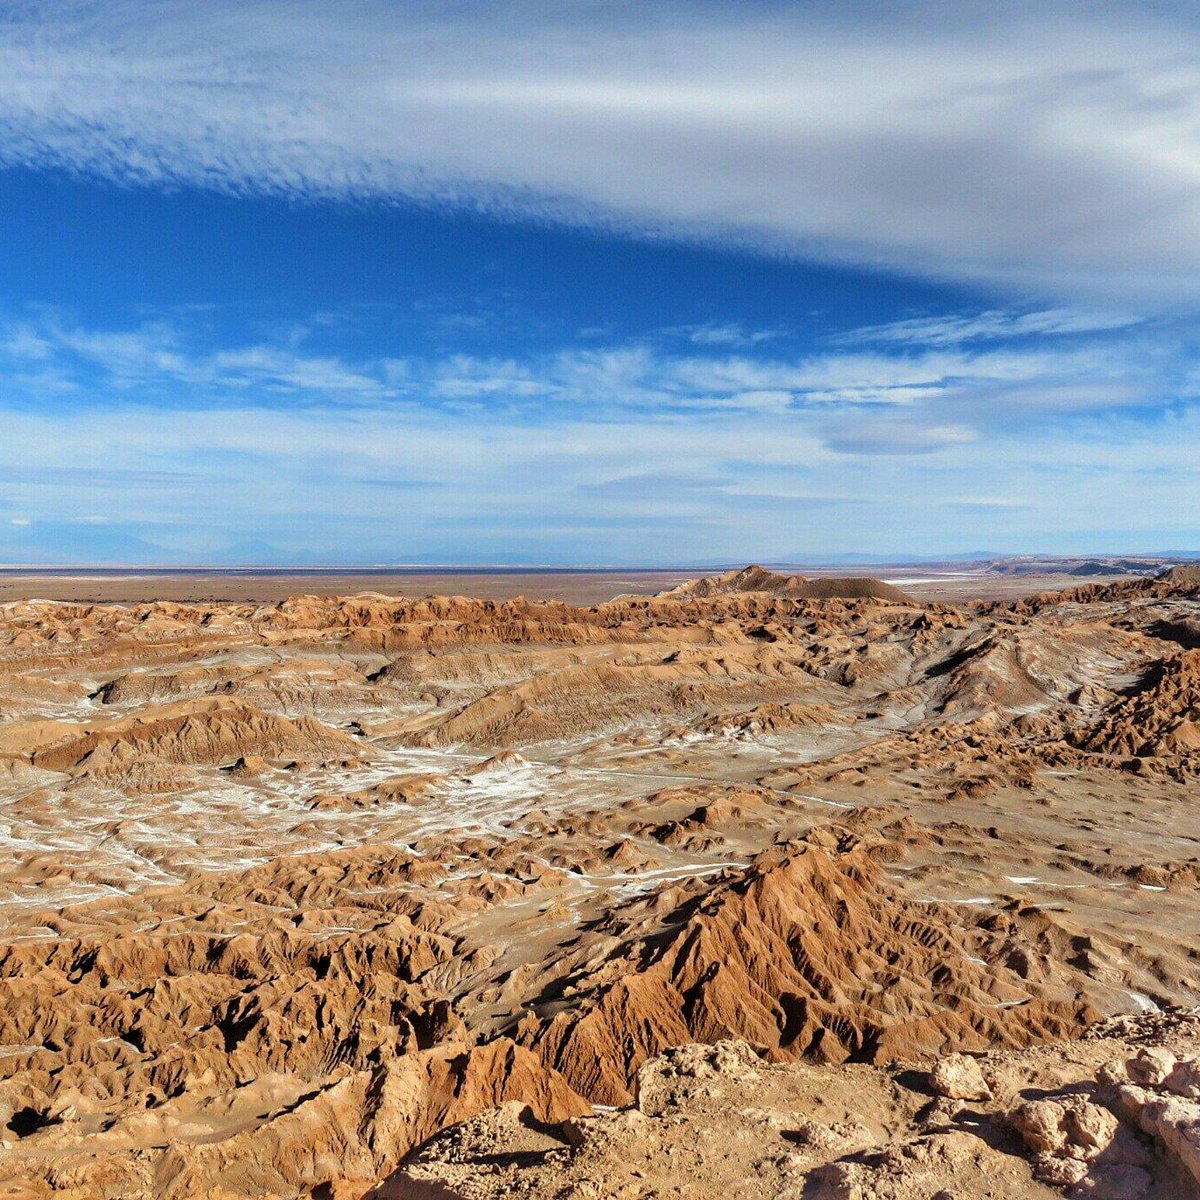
{"x": 287, "y": 889}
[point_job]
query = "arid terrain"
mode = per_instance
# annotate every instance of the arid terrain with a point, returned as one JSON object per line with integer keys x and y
{"x": 1000, "y": 578}
{"x": 118, "y": 585}
{"x": 766, "y": 886}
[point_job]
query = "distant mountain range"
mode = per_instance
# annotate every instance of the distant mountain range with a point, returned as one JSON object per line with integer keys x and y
{"x": 885, "y": 560}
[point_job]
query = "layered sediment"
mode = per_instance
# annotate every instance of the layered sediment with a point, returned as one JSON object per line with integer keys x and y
{"x": 287, "y": 890}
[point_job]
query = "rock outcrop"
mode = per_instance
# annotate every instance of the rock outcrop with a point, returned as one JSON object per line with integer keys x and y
{"x": 795, "y": 587}
{"x": 805, "y": 955}
{"x": 803, "y": 870}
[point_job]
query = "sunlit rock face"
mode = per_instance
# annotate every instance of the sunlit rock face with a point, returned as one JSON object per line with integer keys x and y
{"x": 288, "y": 889}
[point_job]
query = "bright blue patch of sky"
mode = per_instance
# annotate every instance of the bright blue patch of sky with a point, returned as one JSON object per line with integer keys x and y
{"x": 393, "y": 278}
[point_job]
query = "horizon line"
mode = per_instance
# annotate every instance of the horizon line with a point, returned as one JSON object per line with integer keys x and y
{"x": 901, "y": 561}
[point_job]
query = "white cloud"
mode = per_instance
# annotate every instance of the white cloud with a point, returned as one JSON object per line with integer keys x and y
{"x": 722, "y": 333}
{"x": 1039, "y": 145}
{"x": 308, "y": 478}
{"x": 942, "y": 386}
{"x": 946, "y": 384}
{"x": 894, "y": 436}
{"x": 157, "y": 355}
{"x": 986, "y": 502}
{"x": 640, "y": 451}
{"x": 995, "y": 325}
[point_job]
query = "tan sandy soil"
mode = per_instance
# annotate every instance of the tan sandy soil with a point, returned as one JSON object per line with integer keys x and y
{"x": 124, "y": 587}
{"x": 717, "y": 1120}
{"x": 288, "y": 888}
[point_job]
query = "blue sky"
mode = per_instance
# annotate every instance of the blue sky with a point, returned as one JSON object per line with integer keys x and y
{"x": 596, "y": 283}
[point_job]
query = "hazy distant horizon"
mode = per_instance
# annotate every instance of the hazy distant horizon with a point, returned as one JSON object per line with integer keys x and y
{"x": 349, "y": 567}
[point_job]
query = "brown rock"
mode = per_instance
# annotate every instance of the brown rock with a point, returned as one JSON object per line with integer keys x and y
{"x": 959, "y": 1077}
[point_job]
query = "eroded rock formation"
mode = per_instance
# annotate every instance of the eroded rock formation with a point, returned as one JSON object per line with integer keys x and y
{"x": 287, "y": 889}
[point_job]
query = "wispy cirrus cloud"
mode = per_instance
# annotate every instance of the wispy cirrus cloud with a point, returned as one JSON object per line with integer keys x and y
{"x": 894, "y": 436}
{"x": 991, "y": 326}
{"x": 472, "y": 485}
{"x": 651, "y": 448}
{"x": 1039, "y": 146}
{"x": 942, "y": 385}
{"x": 730, "y": 334}
{"x": 158, "y": 356}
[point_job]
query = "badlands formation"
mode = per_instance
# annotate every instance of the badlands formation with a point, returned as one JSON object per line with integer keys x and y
{"x": 762, "y": 886}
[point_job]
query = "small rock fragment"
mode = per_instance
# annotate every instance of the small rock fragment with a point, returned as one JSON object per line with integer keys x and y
{"x": 1151, "y": 1066}
{"x": 959, "y": 1077}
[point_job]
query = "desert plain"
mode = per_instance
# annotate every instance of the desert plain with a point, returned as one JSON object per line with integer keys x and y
{"x": 826, "y": 888}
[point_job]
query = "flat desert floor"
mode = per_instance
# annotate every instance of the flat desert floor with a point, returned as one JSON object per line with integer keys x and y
{"x": 133, "y": 586}
{"x": 825, "y": 888}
